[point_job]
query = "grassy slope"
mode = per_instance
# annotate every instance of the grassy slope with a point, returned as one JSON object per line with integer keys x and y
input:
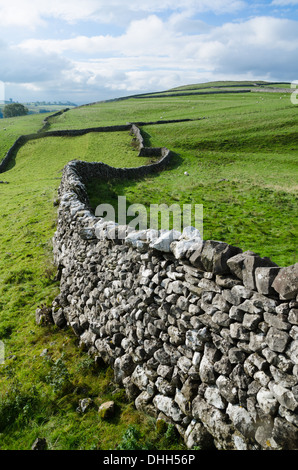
{"x": 29, "y": 405}
{"x": 242, "y": 162}
{"x": 243, "y": 139}
{"x": 12, "y": 128}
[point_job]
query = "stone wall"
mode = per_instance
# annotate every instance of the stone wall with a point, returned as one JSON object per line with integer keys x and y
{"x": 41, "y": 134}
{"x": 198, "y": 332}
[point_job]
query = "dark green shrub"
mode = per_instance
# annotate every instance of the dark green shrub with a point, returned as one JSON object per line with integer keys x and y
{"x": 131, "y": 440}
{"x": 18, "y": 405}
{"x": 58, "y": 377}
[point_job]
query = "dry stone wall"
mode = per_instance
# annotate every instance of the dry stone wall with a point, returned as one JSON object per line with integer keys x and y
{"x": 198, "y": 332}
{"x": 42, "y": 133}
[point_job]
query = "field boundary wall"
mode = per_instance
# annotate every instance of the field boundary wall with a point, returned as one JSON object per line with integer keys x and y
{"x": 198, "y": 332}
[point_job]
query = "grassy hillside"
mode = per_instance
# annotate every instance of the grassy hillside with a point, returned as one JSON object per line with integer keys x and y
{"x": 242, "y": 164}
{"x": 12, "y": 128}
{"x": 45, "y": 374}
{"x": 241, "y": 159}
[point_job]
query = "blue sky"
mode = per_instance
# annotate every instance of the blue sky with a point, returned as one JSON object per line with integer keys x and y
{"x": 91, "y": 50}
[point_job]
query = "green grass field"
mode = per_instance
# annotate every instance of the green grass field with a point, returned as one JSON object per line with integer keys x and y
{"x": 242, "y": 164}
{"x": 29, "y": 405}
{"x": 12, "y": 128}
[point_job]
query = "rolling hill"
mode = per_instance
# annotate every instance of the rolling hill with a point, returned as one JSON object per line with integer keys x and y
{"x": 240, "y": 152}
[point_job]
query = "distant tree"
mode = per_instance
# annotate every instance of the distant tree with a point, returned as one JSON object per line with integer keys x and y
{"x": 14, "y": 109}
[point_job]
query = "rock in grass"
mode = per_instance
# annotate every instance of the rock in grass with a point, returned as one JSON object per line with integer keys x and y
{"x": 39, "y": 444}
{"x": 107, "y": 410}
{"x": 43, "y": 315}
{"x": 84, "y": 405}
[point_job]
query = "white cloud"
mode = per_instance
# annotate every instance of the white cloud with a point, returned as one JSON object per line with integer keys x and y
{"x": 32, "y": 13}
{"x": 20, "y": 66}
{"x": 154, "y": 54}
{"x": 284, "y": 3}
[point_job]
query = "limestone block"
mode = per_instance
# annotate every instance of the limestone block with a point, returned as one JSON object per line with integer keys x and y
{"x": 277, "y": 340}
{"x": 163, "y": 242}
{"x": 168, "y": 406}
{"x": 267, "y": 401}
{"x": 264, "y": 278}
{"x": 286, "y": 282}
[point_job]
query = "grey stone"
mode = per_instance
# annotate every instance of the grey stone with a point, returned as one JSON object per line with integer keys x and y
{"x": 139, "y": 377}
{"x": 143, "y": 400}
{"x": 236, "y": 356}
{"x": 267, "y": 401}
{"x": 251, "y": 263}
{"x": 277, "y": 340}
{"x": 162, "y": 357}
{"x": 282, "y": 378}
{"x": 168, "y": 406}
{"x": 276, "y": 321}
{"x": 107, "y": 410}
{"x": 214, "y": 398}
{"x": 251, "y": 321}
{"x": 227, "y": 281}
{"x": 165, "y": 371}
{"x": 293, "y": 316}
{"x": 206, "y": 370}
{"x": 285, "y": 434}
{"x": 184, "y": 364}
{"x": 215, "y": 423}
{"x": 264, "y": 436}
{"x": 85, "y": 404}
{"x": 197, "y": 435}
{"x": 163, "y": 243}
{"x": 264, "y": 278}
{"x": 236, "y": 314}
{"x": 257, "y": 341}
{"x": 164, "y": 387}
{"x": 195, "y": 339}
{"x": 241, "y": 419}
{"x": 286, "y": 282}
{"x": 285, "y": 397}
{"x": 221, "y": 319}
{"x": 214, "y": 256}
{"x": 175, "y": 335}
{"x": 236, "y": 263}
{"x": 183, "y": 403}
{"x": 223, "y": 366}
{"x": 292, "y": 351}
{"x": 59, "y": 318}
{"x": 238, "y": 331}
{"x": 227, "y": 389}
{"x": 220, "y": 303}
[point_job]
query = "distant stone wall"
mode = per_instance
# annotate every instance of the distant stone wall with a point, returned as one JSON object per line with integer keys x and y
{"x": 46, "y": 121}
{"x": 23, "y": 139}
{"x": 11, "y": 152}
{"x": 198, "y": 333}
{"x": 41, "y": 134}
{"x": 188, "y": 93}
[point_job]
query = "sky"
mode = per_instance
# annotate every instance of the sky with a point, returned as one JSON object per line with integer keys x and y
{"x": 91, "y": 50}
